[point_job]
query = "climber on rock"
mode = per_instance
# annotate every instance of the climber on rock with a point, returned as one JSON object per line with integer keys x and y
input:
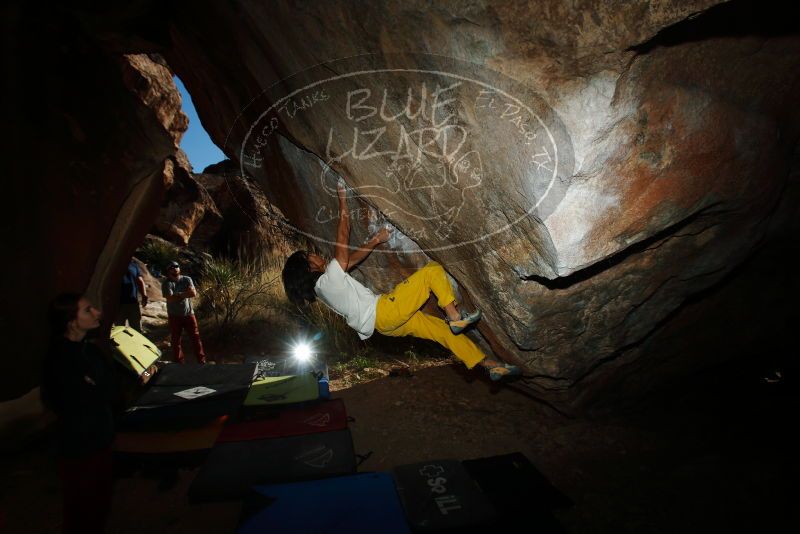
{"x": 307, "y": 275}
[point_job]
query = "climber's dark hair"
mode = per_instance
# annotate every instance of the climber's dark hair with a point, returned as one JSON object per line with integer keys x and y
{"x": 298, "y": 279}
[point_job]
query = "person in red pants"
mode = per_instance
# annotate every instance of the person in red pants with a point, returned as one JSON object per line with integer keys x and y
{"x": 179, "y": 290}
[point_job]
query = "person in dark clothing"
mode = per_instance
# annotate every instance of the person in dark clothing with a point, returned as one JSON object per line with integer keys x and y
{"x": 132, "y": 288}
{"x": 79, "y": 386}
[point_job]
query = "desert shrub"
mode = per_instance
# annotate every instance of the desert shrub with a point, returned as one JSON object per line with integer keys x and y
{"x": 156, "y": 254}
{"x": 235, "y": 291}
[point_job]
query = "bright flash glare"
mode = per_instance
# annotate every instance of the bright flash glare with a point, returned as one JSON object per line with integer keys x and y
{"x": 302, "y": 352}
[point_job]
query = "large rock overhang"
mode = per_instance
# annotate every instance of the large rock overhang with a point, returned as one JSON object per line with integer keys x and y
{"x": 674, "y": 125}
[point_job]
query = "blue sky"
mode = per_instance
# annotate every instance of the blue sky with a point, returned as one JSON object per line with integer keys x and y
{"x": 196, "y": 143}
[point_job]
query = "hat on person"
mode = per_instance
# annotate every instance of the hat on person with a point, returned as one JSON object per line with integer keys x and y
{"x": 173, "y": 264}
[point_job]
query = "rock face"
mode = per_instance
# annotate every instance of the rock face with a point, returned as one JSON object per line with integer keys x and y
{"x": 222, "y": 212}
{"x": 187, "y": 205}
{"x": 581, "y": 170}
{"x": 251, "y": 227}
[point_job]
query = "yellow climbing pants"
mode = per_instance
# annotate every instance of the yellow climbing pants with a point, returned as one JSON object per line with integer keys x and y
{"x": 398, "y": 313}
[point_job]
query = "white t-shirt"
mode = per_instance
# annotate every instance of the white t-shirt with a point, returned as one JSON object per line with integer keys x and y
{"x": 346, "y": 296}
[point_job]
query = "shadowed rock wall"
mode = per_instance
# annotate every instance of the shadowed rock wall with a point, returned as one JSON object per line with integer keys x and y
{"x": 91, "y": 134}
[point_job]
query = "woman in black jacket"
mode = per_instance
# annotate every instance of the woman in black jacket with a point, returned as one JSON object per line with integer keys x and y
{"x": 78, "y": 385}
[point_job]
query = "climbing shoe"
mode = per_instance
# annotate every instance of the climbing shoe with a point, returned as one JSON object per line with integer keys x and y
{"x": 459, "y": 325}
{"x": 503, "y": 370}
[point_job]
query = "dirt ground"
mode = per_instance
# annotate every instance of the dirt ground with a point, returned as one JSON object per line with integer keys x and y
{"x": 718, "y": 453}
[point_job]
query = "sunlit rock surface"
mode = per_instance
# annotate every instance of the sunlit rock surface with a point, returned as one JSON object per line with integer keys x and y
{"x": 222, "y": 213}
{"x": 187, "y": 205}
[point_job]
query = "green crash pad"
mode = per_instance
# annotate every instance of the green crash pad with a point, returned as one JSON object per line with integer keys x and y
{"x": 134, "y": 351}
{"x": 275, "y": 390}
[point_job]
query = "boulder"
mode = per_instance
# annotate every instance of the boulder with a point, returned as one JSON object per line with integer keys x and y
{"x": 581, "y": 171}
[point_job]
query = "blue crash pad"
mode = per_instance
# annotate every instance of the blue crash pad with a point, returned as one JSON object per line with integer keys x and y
{"x": 364, "y": 503}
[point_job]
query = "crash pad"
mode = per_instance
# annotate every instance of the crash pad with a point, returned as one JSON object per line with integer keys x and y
{"x": 232, "y": 468}
{"x": 365, "y": 503}
{"x": 323, "y": 416}
{"x": 440, "y": 495}
{"x": 169, "y": 440}
{"x": 133, "y": 350}
{"x": 275, "y": 390}
{"x": 189, "y": 395}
